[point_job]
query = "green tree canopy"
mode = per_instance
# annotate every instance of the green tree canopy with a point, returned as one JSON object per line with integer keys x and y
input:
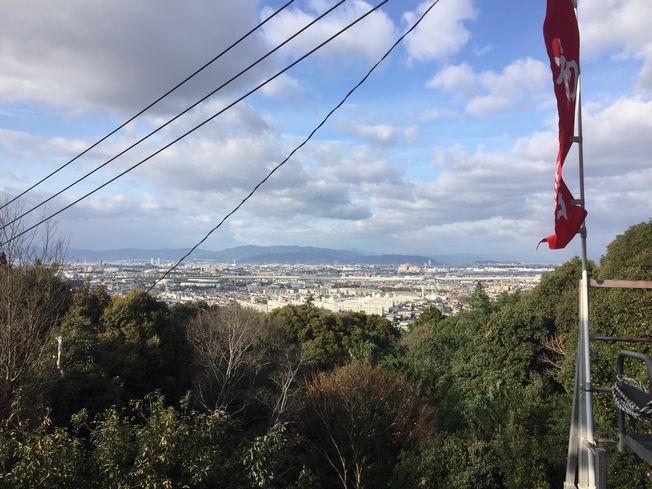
{"x": 143, "y": 347}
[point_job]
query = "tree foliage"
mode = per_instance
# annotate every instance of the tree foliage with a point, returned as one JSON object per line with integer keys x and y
{"x": 33, "y": 301}
{"x": 357, "y": 419}
{"x": 142, "y": 347}
{"x": 331, "y": 340}
{"x": 149, "y": 445}
{"x": 301, "y": 397}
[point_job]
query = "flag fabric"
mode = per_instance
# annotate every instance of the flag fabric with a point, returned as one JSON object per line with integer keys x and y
{"x": 562, "y": 38}
{"x": 568, "y": 216}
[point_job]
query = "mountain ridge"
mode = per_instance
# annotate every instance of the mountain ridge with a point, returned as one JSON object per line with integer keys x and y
{"x": 252, "y": 254}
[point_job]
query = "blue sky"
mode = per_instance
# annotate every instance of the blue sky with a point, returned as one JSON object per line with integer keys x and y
{"x": 448, "y": 149}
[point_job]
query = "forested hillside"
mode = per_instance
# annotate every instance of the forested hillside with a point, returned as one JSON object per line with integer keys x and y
{"x": 151, "y": 395}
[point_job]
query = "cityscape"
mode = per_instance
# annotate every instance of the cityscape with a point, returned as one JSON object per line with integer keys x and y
{"x": 399, "y": 293}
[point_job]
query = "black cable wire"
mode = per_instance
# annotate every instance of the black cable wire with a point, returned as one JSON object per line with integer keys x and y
{"x": 188, "y": 109}
{"x": 142, "y": 111}
{"x": 297, "y": 148}
{"x": 190, "y": 131}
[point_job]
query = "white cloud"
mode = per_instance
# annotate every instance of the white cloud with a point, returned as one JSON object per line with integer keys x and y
{"x": 430, "y": 115}
{"x": 377, "y": 134}
{"x": 617, "y": 149}
{"x": 645, "y": 79}
{"x": 370, "y": 38}
{"x": 216, "y": 163}
{"x": 411, "y": 134}
{"x": 615, "y": 24}
{"x": 505, "y": 198}
{"x": 317, "y": 198}
{"x": 24, "y": 145}
{"x": 95, "y": 207}
{"x": 619, "y": 27}
{"x": 88, "y": 55}
{"x": 447, "y": 20}
{"x": 31, "y": 157}
{"x": 480, "y": 51}
{"x": 460, "y": 80}
{"x": 354, "y": 166}
{"x": 152, "y": 204}
{"x": 488, "y": 92}
{"x": 362, "y": 191}
{"x": 284, "y": 87}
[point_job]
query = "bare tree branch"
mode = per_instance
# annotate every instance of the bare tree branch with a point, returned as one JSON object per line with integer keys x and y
{"x": 555, "y": 346}
{"x": 32, "y": 302}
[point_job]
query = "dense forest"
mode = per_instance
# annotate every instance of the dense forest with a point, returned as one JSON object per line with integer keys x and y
{"x": 143, "y": 394}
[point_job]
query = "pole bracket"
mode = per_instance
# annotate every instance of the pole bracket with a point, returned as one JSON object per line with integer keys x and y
{"x": 577, "y": 139}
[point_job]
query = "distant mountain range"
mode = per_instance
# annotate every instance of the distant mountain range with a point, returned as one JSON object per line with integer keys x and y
{"x": 291, "y": 255}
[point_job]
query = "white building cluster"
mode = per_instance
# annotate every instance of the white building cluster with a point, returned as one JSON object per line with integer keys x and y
{"x": 399, "y": 294}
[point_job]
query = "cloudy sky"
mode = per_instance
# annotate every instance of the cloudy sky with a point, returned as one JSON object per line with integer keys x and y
{"x": 448, "y": 149}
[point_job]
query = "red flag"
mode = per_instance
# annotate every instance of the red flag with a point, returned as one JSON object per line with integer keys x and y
{"x": 562, "y": 39}
{"x": 568, "y": 216}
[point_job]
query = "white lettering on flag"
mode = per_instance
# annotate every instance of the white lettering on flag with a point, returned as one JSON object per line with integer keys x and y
{"x": 568, "y": 71}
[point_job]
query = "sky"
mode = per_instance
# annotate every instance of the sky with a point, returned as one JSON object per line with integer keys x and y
{"x": 447, "y": 150}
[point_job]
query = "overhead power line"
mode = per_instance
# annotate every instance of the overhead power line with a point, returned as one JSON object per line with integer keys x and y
{"x": 142, "y": 111}
{"x": 190, "y": 131}
{"x": 301, "y": 145}
{"x": 170, "y": 121}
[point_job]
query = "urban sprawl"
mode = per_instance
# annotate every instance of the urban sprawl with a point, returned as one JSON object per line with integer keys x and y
{"x": 399, "y": 294}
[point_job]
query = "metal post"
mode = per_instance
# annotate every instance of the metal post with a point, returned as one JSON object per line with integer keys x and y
{"x": 579, "y": 140}
{"x": 59, "y": 353}
{"x": 574, "y": 437}
{"x": 584, "y": 310}
{"x": 580, "y": 150}
{"x": 581, "y": 465}
{"x": 586, "y": 388}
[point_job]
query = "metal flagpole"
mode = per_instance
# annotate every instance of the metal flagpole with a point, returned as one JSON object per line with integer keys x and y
{"x": 587, "y": 387}
{"x": 574, "y": 437}
{"x": 588, "y": 441}
{"x": 581, "y": 459}
{"x": 581, "y": 464}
